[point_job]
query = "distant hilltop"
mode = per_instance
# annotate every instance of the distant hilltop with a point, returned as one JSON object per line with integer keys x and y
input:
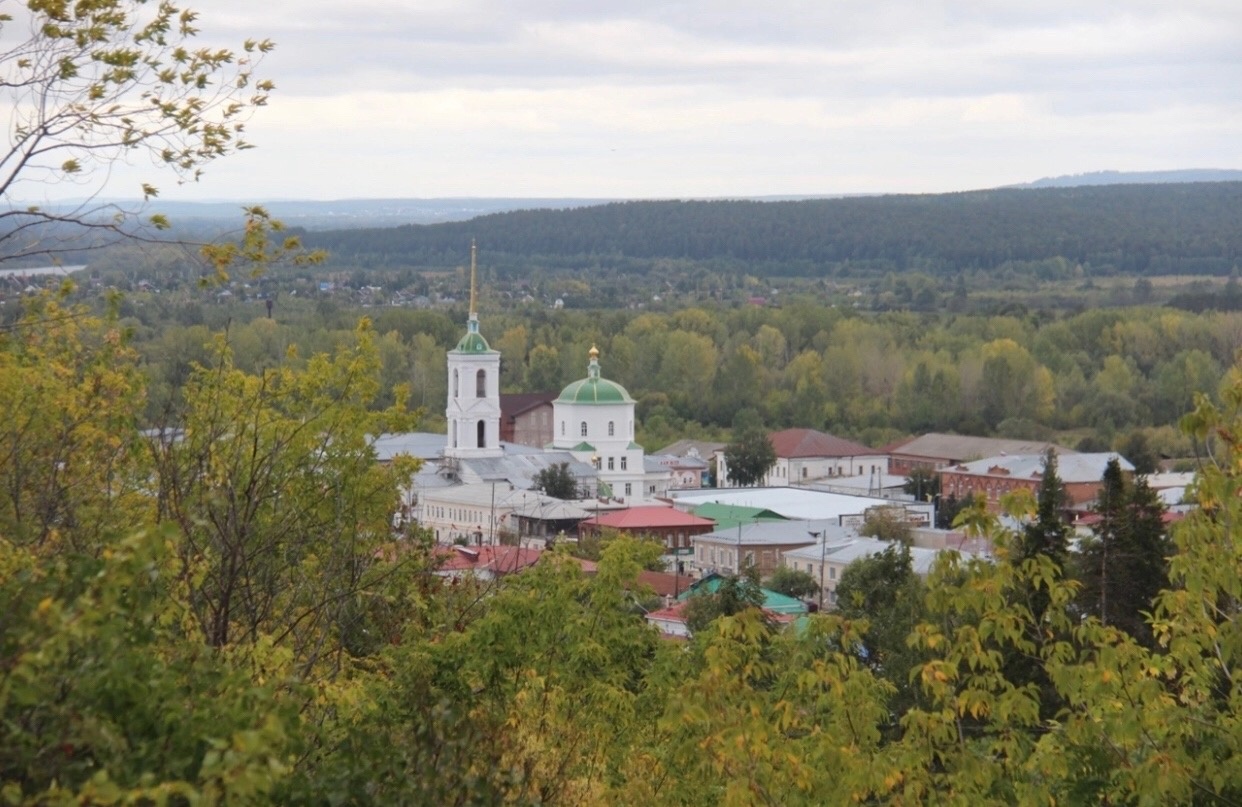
{"x": 1136, "y": 178}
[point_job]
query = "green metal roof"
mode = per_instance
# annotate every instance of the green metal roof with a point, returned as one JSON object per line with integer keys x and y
{"x": 473, "y": 341}
{"x": 728, "y": 516}
{"x": 773, "y": 601}
{"x": 583, "y": 446}
{"x": 593, "y": 389}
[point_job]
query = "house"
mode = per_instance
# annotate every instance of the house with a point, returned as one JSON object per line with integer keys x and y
{"x": 773, "y": 601}
{"x": 759, "y": 544}
{"x": 665, "y": 584}
{"x": 684, "y": 473}
{"x": 484, "y": 562}
{"x": 806, "y": 455}
{"x": 492, "y": 562}
{"x": 1080, "y": 474}
{"x": 827, "y": 560}
{"x": 671, "y": 620}
{"x": 672, "y": 527}
{"x": 526, "y": 418}
{"x": 700, "y": 450}
{"x": 930, "y": 452}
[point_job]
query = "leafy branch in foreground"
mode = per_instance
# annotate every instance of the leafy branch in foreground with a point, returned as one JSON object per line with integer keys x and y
{"x": 90, "y": 84}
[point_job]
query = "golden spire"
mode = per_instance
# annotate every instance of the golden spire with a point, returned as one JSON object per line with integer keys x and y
{"x": 473, "y": 266}
{"x": 593, "y": 352}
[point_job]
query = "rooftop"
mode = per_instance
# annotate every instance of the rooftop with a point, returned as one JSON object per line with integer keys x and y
{"x": 962, "y": 448}
{"x": 1071, "y": 468}
{"x": 648, "y": 517}
{"x": 795, "y": 503}
{"x": 799, "y": 443}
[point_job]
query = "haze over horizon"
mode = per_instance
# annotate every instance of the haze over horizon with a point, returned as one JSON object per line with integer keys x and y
{"x": 542, "y": 99}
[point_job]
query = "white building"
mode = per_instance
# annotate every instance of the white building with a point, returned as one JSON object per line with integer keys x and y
{"x": 593, "y": 419}
{"x": 473, "y": 411}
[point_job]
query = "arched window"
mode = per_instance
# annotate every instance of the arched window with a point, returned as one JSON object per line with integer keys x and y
{"x": 562, "y": 428}
{"x": 455, "y": 392}
{"x": 582, "y": 429}
{"x": 611, "y": 429}
{"x": 480, "y": 384}
{"x": 482, "y": 429}
{"x": 454, "y": 434}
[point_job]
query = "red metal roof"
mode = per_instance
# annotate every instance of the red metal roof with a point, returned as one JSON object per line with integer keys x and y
{"x": 794, "y": 443}
{"x": 496, "y": 559}
{"x": 665, "y": 584}
{"x": 648, "y": 517}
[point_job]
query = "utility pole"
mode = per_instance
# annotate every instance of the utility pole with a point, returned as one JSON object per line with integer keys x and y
{"x": 823, "y": 547}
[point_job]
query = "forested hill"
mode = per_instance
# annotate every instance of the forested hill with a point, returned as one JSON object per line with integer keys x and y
{"x": 1192, "y": 228}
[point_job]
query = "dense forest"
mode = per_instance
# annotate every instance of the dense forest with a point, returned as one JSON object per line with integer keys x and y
{"x": 1193, "y": 228}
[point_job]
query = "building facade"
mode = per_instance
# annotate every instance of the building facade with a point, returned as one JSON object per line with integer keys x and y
{"x": 593, "y": 419}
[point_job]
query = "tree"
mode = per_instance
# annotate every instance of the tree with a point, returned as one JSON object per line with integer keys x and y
{"x": 556, "y": 481}
{"x": 1048, "y": 534}
{"x": 281, "y": 510}
{"x": 737, "y": 593}
{"x": 73, "y": 473}
{"x": 92, "y": 84}
{"x": 884, "y": 590}
{"x": 750, "y": 456}
{"x": 797, "y": 583}
{"x": 1123, "y": 566}
{"x": 887, "y": 524}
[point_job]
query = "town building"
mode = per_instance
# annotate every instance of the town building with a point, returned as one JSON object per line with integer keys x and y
{"x": 526, "y": 418}
{"x": 1080, "y": 474}
{"x": 827, "y": 560}
{"x": 594, "y": 421}
{"x": 673, "y": 528}
{"x": 806, "y": 455}
{"x": 931, "y": 452}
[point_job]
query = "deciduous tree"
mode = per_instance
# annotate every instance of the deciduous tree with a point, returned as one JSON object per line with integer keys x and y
{"x": 91, "y": 84}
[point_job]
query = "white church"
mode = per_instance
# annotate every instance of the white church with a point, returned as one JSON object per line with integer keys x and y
{"x": 476, "y": 486}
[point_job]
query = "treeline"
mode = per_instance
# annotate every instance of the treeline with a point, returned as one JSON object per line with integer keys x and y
{"x": 1093, "y": 378}
{"x": 1193, "y": 228}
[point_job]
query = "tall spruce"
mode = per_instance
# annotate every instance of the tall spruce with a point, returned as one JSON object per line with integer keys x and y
{"x": 1124, "y": 565}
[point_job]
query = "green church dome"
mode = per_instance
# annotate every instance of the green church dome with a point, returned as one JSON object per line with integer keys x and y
{"x": 473, "y": 341}
{"x": 593, "y": 389}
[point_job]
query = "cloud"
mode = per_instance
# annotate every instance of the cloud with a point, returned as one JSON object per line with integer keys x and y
{"x": 481, "y": 97}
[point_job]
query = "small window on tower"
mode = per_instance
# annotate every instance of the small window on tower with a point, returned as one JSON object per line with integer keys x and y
{"x": 582, "y": 429}
{"x": 480, "y": 384}
{"x": 611, "y": 429}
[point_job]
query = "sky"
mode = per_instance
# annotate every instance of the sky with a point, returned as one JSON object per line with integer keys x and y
{"x": 641, "y": 99}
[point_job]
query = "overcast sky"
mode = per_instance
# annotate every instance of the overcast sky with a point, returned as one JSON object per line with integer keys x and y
{"x": 599, "y": 98}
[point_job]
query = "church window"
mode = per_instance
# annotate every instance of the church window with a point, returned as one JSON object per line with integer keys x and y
{"x": 582, "y": 431}
{"x": 455, "y": 383}
{"x": 482, "y": 429}
{"x": 623, "y": 459}
{"x": 627, "y": 488}
{"x": 454, "y": 434}
{"x": 480, "y": 384}
{"x": 610, "y": 461}
{"x": 562, "y": 428}
{"x": 611, "y": 429}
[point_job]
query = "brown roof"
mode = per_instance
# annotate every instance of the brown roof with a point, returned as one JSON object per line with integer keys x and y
{"x": 515, "y": 403}
{"x": 961, "y": 447}
{"x": 793, "y": 443}
{"x": 665, "y": 584}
